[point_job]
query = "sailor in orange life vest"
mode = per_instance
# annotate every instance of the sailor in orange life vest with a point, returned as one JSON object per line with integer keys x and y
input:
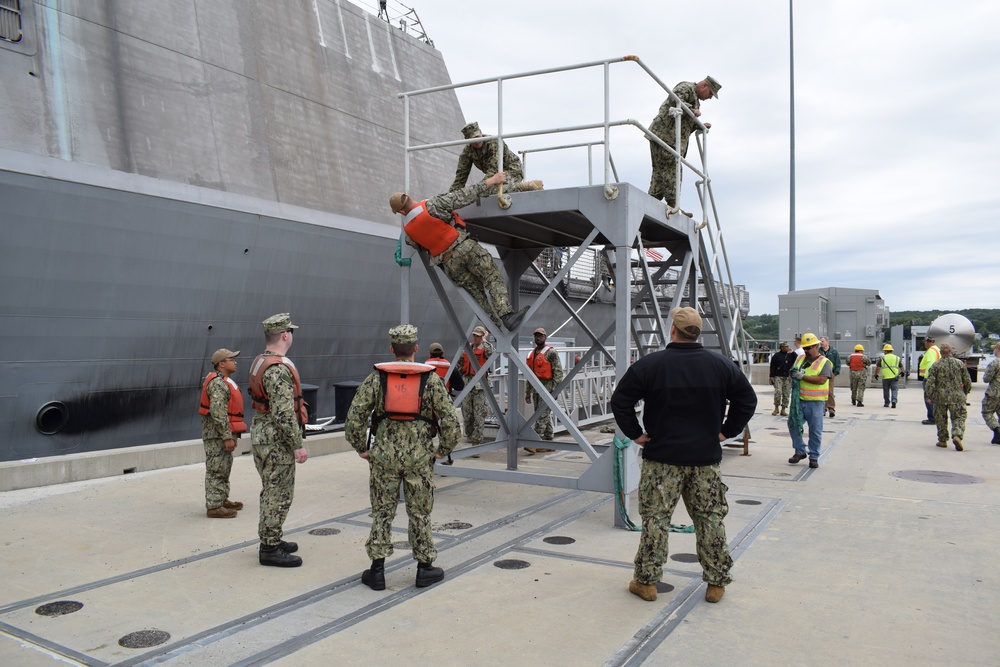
{"x": 221, "y": 411}
{"x": 545, "y": 364}
{"x": 432, "y": 225}
{"x": 453, "y": 381}
{"x": 276, "y": 436}
{"x": 408, "y": 405}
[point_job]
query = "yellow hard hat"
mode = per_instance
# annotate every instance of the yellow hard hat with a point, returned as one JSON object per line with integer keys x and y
{"x": 887, "y": 348}
{"x": 808, "y": 340}
{"x": 859, "y": 348}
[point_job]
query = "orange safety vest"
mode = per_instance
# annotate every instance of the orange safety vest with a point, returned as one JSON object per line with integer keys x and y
{"x": 403, "y": 385}
{"x": 467, "y": 368}
{"x": 539, "y": 365}
{"x": 234, "y": 407}
{"x": 441, "y": 367}
{"x": 434, "y": 234}
{"x": 260, "y": 401}
{"x": 807, "y": 390}
{"x": 856, "y": 361}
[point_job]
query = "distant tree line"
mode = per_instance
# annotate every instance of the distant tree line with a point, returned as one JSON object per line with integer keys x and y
{"x": 985, "y": 320}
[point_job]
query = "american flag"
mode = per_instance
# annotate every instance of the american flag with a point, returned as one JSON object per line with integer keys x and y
{"x": 654, "y": 254}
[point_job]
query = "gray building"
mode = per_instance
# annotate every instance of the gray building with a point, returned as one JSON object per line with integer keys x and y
{"x": 848, "y": 316}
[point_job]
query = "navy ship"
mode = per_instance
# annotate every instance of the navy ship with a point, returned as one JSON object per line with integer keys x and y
{"x": 173, "y": 173}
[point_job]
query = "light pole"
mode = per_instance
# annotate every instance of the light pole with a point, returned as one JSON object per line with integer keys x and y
{"x": 791, "y": 143}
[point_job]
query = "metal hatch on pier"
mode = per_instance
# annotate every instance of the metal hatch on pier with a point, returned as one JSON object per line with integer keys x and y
{"x": 622, "y": 221}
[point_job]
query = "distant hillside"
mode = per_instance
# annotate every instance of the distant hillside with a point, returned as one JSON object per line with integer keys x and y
{"x": 986, "y": 321}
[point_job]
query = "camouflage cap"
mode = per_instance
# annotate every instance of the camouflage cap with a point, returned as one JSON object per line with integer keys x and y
{"x": 714, "y": 85}
{"x": 397, "y": 201}
{"x": 783, "y": 344}
{"x": 472, "y": 130}
{"x": 479, "y": 331}
{"x": 223, "y": 354}
{"x": 539, "y": 330}
{"x": 436, "y": 348}
{"x": 279, "y": 322}
{"x": 403, "y": 333}
{"x": 687, "y": 320}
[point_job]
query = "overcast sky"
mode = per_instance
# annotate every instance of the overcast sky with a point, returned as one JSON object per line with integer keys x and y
{"x": 897, "y": 105}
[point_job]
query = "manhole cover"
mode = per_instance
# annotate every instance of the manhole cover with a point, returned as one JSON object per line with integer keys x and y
{"x": 558, "y": 539}
{"x": 512, "y": 564}
{"x": 400, "y": 545}
{"x": 574, "y": 457}
{"x": 456, "y": 525}
{"x": 685, "y": 558}
{"x": 748, "y": 502}
{"x": 781, "y": 474}
{"x": 144, "y": 639}
{"x": 325, "y": 531}
{"x": 936, "y": 477}
{"x": 59, "y": 608}
{"x": 663, "y": 587}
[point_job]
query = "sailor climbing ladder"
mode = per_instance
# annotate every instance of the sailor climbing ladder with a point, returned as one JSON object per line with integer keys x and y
{"x": 624, "y": 221}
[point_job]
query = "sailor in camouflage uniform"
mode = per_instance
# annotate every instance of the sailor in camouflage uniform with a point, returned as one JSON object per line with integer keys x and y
{"x": 859, "y": 363}
{"x": 484, "y": 156}
{"x": 474, "y": 404}
{"x": 277, "y": 439}
{"x": 219, "y": 431}
{"x": 663, "y": 183}
{"x": 948, "y": 384}
{"x": 685, "y": 389}
{"x": 403, "y": 452}
{"x": 433, "y": 226}
{"x": 991, "y": 401}
{"x": 545, "y": 364}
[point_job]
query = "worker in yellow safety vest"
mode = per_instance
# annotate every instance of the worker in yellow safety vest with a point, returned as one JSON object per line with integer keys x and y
{"x": 811, "y": 376}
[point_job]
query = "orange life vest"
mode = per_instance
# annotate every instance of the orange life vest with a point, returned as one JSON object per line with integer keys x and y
{"x": 467, "y": 368}
{"x": 856, "y": 361}
{"x": 260, "y": 401}
{"x": 403, "y": 385}
{"x": 539, "y": 365}
{"x": 441, "y": 367}
{"x": 434, "y": 234}
{"x": 234, "y": 407}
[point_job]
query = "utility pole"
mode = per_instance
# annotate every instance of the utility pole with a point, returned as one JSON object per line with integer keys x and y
{"x": 791, "y": 170}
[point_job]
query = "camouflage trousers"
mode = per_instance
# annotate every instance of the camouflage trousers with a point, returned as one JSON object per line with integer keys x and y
{"x": 782, "y": 391}
{"x": 474, "y": 413}
{"x": 543, "y": 425}
{"x": 991, "y": 407}
{"x": 957, "y": 411}
{"x": 704, "y": 495}
{"x": 859, "y": 380}
{"x": 418, "y": 490}
{"x": 471, "y": 267}
{"x": 276, "y": 467}
{"x": 663, "y": 182}
{"x": 218, "y": 465}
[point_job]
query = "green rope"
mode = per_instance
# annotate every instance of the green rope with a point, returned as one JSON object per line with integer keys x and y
{"x": 402, "y": 261}
{"x": 620, "y": 445}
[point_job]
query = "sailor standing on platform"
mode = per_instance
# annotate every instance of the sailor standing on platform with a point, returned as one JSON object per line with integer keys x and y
{"x": 408, "y": 404}
{"x": 221, "y": 413}
{"x": 432, "y": 225}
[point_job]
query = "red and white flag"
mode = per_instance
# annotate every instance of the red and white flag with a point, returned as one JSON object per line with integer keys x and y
{"x": 654, "y": 254}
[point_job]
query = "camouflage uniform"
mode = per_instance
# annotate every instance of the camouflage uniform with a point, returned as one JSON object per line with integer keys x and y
{"x": 474, "y": 403}
{"x": 465, "y": 262}
{"x": 663, "y": 184}
{"x": 704, "y": 494}
{"x": 948, "y": 383}
{"x": 543, "y": 425}
{"x": 275, "y": 436}
{"x": 485, "y": 160}
{"x": 991, "y": 401}
{"x": 782, "y": 391}
{"x": 215, "y": 430}
{"x": 859, "y": 380}
{"x": 403, "y": 453}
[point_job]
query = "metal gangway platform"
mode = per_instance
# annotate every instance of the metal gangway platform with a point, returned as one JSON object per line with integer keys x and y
{"x": 623, "y": 222}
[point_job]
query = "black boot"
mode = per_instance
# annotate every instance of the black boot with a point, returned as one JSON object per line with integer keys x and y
{"x": 996, "y": 437}
{"x": 277, "y": 557}
{"x": 513, "y": 319}
{"x": 427, "y": 574}
{"x": 288, "y": 547}
{"x": 375, "y": 577}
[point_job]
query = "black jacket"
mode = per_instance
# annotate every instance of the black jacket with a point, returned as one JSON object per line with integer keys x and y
{"x": 685, "y": 388}
{"x": 781, "y": 363}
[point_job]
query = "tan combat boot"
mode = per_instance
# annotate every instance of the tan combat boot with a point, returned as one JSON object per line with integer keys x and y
{"x": 220, "y": 513}
{"x": 232, "y": 504}
{"x": 646, "y": 591}
{"x": 943, "y": 444}
{"x": 714, "y": 593}
{"x": 775, "y": 411}
{"x": 784, "y": 412}
{"x": 958, "y": 444}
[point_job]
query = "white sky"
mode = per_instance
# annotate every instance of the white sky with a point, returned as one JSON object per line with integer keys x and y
{"x": 897, "y": 110}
